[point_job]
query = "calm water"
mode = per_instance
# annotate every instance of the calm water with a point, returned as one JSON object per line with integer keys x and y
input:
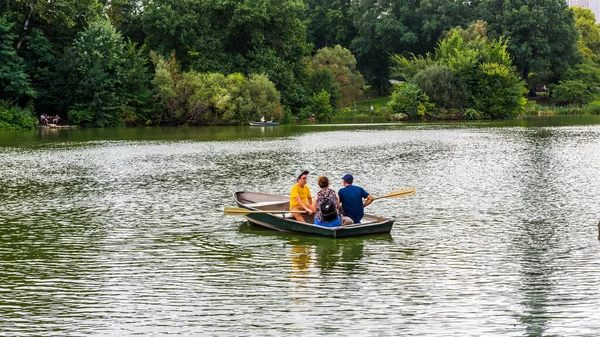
{"x": 120, "y": 232}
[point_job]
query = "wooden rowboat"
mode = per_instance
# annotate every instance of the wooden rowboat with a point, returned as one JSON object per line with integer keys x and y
{"x": 264, "y": 123}
{"x": 284, "y": 221}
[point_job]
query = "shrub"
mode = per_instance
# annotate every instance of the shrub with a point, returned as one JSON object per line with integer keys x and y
{"x": 409, "y": 99}
{"x": 16, "y": 118}
{"x": 571, "y": 92}
{"x": 472, "y": 114}
{"x": 498, "y": 91}
{"x": 443, "y": 86}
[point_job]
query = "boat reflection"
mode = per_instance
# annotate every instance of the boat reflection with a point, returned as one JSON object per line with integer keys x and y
{"x": 310, "y": 254}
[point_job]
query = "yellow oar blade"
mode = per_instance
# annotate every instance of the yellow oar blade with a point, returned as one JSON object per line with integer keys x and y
{"x": 243, "y": 211}
{"x": 399, "y": 194}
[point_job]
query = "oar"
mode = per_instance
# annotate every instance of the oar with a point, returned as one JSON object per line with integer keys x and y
{"x": 399, "y": 193}
{"x": 242, "y": 211}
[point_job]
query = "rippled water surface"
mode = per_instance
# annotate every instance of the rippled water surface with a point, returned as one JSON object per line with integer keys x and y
{"x": 121, "y": 232}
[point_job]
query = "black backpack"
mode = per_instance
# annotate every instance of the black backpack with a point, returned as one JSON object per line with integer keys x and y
{"x": 328, "y": 210}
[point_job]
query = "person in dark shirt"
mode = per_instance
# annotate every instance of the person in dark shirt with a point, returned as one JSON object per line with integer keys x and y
{"x": 351, "y": 198}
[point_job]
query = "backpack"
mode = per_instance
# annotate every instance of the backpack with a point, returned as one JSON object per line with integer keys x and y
{"x": 328, "y": 210}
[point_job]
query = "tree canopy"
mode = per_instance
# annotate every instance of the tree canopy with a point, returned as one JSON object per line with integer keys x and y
{"x": 89, "y": 58}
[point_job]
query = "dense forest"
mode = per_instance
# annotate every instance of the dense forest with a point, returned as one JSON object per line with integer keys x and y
{"x": 210, "y": 62}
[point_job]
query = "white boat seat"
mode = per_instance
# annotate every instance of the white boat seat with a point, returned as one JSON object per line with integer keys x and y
{"x": 266, "y": 203}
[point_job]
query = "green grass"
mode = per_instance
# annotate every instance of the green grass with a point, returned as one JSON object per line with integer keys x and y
{"x": 376, "y": 102}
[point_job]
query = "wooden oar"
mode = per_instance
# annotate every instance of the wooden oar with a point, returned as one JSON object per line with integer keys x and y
{"x": 399, "y": 193}
{"x": 243, "y": 211}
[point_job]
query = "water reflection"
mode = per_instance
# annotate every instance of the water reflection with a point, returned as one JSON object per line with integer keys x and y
{"x": 325, "y": 254}
{"x": 121, "y": 232}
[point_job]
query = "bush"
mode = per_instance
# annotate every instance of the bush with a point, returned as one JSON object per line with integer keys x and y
{"x": 443, "y": 86}
{"x": 16, "y": 118}
{"x": 472, "y": 114}
{"x": 409, "y": 99}
{"x": 571, "y": 92}
{"x": 498, "y": 91}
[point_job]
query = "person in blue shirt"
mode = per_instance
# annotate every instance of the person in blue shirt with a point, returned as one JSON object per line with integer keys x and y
{"x": 351, "y": 198}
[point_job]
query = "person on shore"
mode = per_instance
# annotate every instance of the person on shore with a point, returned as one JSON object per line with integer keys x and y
{"x": 55, "y": 119}
{"x": 326, "y": 205}
{"x": 300, "y": 199}
{"x": 44, "y": 119}
{"x": 351, "y": 198}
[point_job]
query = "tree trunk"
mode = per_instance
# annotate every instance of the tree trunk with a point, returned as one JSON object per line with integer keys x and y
{"x": 26, "y": 25}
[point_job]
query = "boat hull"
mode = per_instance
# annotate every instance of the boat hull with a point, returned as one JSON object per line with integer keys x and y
{"x": 285, "y": 222}
{"x": 264, "y": 123}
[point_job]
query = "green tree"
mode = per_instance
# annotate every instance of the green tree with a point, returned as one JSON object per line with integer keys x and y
{"x": 330, "y": 23}
{"x": 342, "y": 65}
{"x": 226, "y": 36}
{"x": 498, "y": 92}
{"x": 541, "y": 33}
{"x": 589, "y": 40}
{"x": 39, "y": 65}
{"x": 15, "y": 85}
{"x": 467, "y": 73}
{"x": 212, "y": 98}
{"x": 320, "y": 106}
{"x": 104, "y": 81}
{"x": 401, "y": 27}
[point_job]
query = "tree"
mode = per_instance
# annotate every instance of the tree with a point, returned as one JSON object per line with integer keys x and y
{"x": 103, "y": 80}
{"x": 589, "y": 40}
{"x": 15, "y": 85}
{"x": 401, "y": 27}
{"x": 342, "y": 65}
{"x": 330, "y": 23}
{"x": 226, "y": 36}
{"x": 471, "y": 73}
{"x": 541, "y": 33}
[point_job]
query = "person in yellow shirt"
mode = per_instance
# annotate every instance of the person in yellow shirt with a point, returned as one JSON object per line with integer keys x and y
{"x": 300, "y": 199}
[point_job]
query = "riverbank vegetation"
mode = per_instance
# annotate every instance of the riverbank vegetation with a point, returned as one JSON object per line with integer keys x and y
{"x": 196, "y": 62}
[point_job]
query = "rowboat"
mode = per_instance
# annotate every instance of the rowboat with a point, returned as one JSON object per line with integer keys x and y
{"x": 264, "y": 123}
{"x": 278, "y": 217}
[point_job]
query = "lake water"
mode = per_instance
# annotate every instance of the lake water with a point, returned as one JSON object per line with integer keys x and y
{"x": 121, "y": 232}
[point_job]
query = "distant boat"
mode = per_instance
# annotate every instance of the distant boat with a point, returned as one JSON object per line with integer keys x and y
{"x": 280, "y": 220}
{"x": 264, "y": 123}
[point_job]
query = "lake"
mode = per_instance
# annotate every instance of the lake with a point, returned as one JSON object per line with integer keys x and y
{"x": 121, "y": 232}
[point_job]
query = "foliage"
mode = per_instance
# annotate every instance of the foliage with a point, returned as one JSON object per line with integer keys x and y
{"x": 467, "y": 72}
{"x": 589, "y": 39}
{"x": 542, "y": 34}
{"x": 472, "y": 114}
{"x": 105, "y": 80}
{"x": 212, "y": 98}
{"x": 225, "y": 36}
{"x": 14, "y": 82}
{"x": 409, "y": 99}
{"x": 342, "y": 64}
{"x": 46, "y": 60}
{"x": 39, "y": 65}
{"x": 323, "y": 79}
{"x": 15, "y": 118}
{"x": 405, "y": 68}
{"x": 321, "y": 107}
{"x": 443, "y": 86}
{"x": 498, "y": 92}
{"x": 572, "y": 92}
{"x": 330, "y": 23}
{"x": 401, "y": 27}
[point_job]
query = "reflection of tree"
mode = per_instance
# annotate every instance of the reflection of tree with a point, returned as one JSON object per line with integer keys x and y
{"x": 535, "y": 285}
{"x": 535, "y": 234}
